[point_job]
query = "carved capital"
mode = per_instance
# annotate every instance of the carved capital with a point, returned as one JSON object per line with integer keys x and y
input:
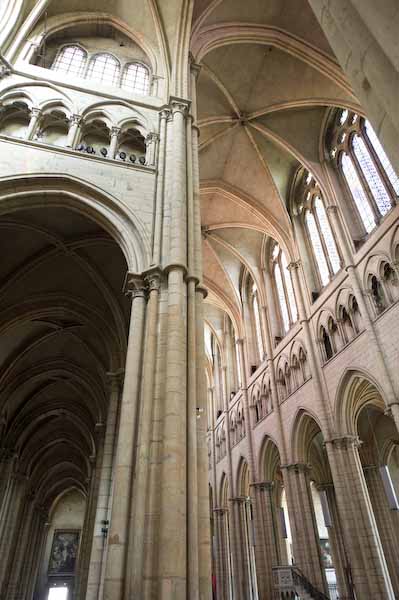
{"x": 75, "y": 120}
{"x": 178, "y": 105}
{"x": 294, "y": 264}
{"x": 151, "y": 138}
{"x": 153, "y": 278}
{"x": 345, "y": 442}
{"x": 115, "y": 131}
{"x": 165, "y": 113}
{"x": 297, "y": 467}
{"x": 134, "y": 286}
{"x": 35, "y": 112}
{"x": 115, "y": 379}
{"x": 332, "y": 209}
{"x": 263, "y": 486}
{"x": 4, "y": 71}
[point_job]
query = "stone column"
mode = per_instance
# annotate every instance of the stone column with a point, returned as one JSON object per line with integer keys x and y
{"x": 367, "y": 563}
{"x": 267, "y": 545}
{"x": 361, "y": 54}
{"x": 103, "y": 510}
{"x": 173, "y": 567}
{"x": 73, "y": 132}
{"x": 37, "y": 11}
{"x": 241, "y": 577}
{"x": 235, "y": 543}
{"x": 338, "y": 550}
{"x": 8, "y": 542}
{"x": 142, "y": 519}
{"x": 118, "y": 536}
{"x": 305, "y": 536}
{"x": 151, "y": 144}
{"x": 113, "y": 144}
{"x": 33, "y": 123}
{"x": 14, "y": 580}
{"x": 222, "y": 555}
{"x": 387, "y": 522}
{"x": 160, "y": 189}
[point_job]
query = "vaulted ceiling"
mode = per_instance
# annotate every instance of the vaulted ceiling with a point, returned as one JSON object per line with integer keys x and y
{"x": 267, "y": 81}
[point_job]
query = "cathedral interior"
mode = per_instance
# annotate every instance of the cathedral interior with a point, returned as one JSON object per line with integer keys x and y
{"x": 199, "y": 382}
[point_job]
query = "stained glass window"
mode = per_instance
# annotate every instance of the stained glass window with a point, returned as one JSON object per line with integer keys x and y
{"x": 317, "y": 248}
{"x": 136, "y": 78}
{"x": 255, "y": 307}
{"x": 358, "y": 193}
{"x": 371, "y": 175}
{"x": 71, "y": 60}
{"x": 105, "y": 69}
{"x": 385, "y": 162}
{"x": 281, "y": 297}
{"x": 327, "y": 235}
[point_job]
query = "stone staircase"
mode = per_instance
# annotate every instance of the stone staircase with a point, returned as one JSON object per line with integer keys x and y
{"x": 291, "y": 584}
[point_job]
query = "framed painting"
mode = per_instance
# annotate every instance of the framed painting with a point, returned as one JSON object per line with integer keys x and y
{"x": 64, "y": 552}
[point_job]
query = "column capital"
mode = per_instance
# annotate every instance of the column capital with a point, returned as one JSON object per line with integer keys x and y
{"x": 115, "y": 379}
{"x": 179, "y": 105}
{"x": 153, "y": 278}
{"x": 263, "y": 486}
{"x": 195, "y": 68}
{"x": 115, "y": 131}
{"x": 297, "y": 467}
{"x": 35, "y": 112}
{"x": 344, "y": 442}
{"x": 151, "y": 137}
{"x": 134, "y": 285}
{"x": 75, "y": 119}
{"x": 332, "y": 209}
{"x": 238, "y": 499}
{"x": 294, "y": 264}
{"x": 240, "y": 342}
{"x": 165, "y": 113}
{"x": 220, "y": 511}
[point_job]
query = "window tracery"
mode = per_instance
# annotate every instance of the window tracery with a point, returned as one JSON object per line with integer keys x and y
{"x": 284, "y": 288}
{"x": 103, "y": 67}
{"x": 318, "y": 229}
{"x": 70, "y": 60}
{"x": 370, "y": 178}
{"x": 136, "y": 78}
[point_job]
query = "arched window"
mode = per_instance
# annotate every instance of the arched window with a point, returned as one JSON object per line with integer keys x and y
{"x": 104, "y": 68}
{"x": 136, "y": 77}
{"x": 256, "y": 315}
{"x": 284, "y": 289}
{"x": 70, "y": 59}
{"x": 366, "y": 169}
{"x": 318, "y": 228}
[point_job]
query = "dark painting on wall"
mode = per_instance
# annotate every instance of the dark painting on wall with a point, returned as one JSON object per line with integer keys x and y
{"x": 64, "y": 552}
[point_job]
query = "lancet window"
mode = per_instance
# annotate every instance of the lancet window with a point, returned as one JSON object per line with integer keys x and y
{"x": 284, "y": 289}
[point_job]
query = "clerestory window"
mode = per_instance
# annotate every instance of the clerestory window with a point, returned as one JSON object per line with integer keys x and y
{"x": 370, "y": 178}
{"x": 71, "y": 60}
{"x": 284, "y": 288}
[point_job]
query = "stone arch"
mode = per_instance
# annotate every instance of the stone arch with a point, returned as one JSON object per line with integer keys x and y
{"x": 355, "y": 390}
{"x": 269, "y": 458}
{"x": 70, "y": 192}
{"x": 304, "y": 428}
